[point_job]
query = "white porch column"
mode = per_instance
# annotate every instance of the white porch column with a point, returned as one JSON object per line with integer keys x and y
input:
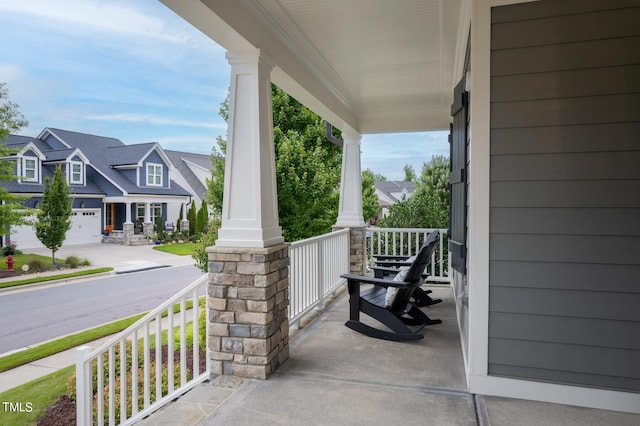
{"x": 350, "y": 208}
{"x": 127, "y": 213}
{"x": 147, "y": 212}
{"x": 250, "y": 206}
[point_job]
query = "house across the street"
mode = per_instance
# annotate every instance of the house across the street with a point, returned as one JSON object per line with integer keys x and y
{"x": 117, "y": 189}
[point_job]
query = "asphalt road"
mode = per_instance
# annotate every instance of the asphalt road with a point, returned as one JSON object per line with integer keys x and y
{"x": 31, "y": 317}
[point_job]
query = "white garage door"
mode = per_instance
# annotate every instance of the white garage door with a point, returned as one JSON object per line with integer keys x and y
{"x": 85, "y": 229}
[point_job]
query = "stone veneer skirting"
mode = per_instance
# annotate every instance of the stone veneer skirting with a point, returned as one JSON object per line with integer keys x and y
{"x": 248, "y": 310}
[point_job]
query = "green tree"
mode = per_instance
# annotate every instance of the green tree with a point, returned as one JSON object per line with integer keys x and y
{"x": 434, "y": 178}
{"x": 308, "y": 169}
{"x": 429, "y": 205}
{"x": 202, "y": 218}
{"x": 206, "y": 239}
{"x": 409, "y": 173}
{"x": 422, "y": 210}
{"x": 370, "y": 205}
{"x": 12, "y": 209}
{"x": 180, "y": 217}
{"x": 191, "y": 217}
{"x": 11, "y": 120}
{"x": 54, "y": 217}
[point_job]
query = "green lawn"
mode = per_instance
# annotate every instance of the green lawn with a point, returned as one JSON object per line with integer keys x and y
{"x": 22, "y": 259}
{"x": 35, "y": 397}
{"x": 185, "y": 249}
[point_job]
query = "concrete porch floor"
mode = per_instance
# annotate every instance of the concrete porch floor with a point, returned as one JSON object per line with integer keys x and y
{"x": 335, "y": 376}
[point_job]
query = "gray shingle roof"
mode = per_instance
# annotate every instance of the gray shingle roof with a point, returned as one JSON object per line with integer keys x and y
{"x": 103, "y": 152}
{"x": 178, "y": 159}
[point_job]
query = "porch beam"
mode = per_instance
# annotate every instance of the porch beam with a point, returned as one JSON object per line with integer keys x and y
{"x": 250, "y": 206}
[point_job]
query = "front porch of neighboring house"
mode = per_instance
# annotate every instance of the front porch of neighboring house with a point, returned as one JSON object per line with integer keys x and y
{"x": 141, "y": 222}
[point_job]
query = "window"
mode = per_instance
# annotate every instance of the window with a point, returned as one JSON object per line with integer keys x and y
{"x": 75, "y": 175}
{"x": 154, "y": 174}
{"x": 29, "y": 169}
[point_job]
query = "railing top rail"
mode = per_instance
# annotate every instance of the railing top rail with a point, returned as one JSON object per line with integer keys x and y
{"x": 319, "y": 238}
{"x": 374, "y": 229}
{"x": 149, "y": 316}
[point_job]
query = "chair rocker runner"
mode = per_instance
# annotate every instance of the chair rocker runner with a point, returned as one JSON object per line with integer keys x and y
{"x": 393, "y": 310}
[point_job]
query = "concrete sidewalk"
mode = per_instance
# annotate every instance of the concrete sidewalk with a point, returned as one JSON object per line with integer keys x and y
{"x": 335, "y": 376}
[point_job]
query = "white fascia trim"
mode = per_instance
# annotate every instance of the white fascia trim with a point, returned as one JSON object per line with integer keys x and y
{"x": 601, "y": 399}
{"x": 31, "y": 146}
{"x": 80, "y": 154}
{"x": 46, "y": 130}
{"x": 194, "y": 165}
{"x": 156, "y": 147}
{"x": 143, "y": 198}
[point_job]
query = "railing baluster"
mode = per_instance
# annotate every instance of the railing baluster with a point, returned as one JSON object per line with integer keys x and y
{"x": 195, "y": 313}
{"x": 123, "y": 380}
{"x": 183, "y": 343}
{"x": 112, "y": 386}
{"x": 159, "y": 355}
{"x": 134, "y": 373}
{"x": 146, "y": 366}
{"x": 170, "y": 349}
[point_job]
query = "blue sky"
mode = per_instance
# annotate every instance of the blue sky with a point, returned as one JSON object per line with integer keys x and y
{"x": 135, "y": 71}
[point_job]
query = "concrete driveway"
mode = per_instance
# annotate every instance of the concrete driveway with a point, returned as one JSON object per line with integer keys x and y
{"x": 121, "y": 258}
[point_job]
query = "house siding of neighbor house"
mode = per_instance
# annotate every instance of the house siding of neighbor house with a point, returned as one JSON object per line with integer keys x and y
{"x": 565, "y": 193}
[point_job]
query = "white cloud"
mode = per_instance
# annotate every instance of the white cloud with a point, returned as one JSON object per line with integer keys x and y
{"x": 155, "y": 120}
{"x": 108, "y": 16}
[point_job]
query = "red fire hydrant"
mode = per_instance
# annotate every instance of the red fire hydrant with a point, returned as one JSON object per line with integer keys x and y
{"x": 9, "y": 263}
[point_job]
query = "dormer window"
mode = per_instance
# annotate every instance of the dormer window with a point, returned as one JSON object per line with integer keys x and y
{"x": 76, "y": 175}
{"x": 154, "y": 174}
{"x": 29, "y": 169}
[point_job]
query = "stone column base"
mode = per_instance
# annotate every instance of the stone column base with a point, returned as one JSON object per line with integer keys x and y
{"x": 248, "y": 310}
{"x": 128, "y": 231}
{"x": 357, "y": 261}
{"x": 147, "y": 229}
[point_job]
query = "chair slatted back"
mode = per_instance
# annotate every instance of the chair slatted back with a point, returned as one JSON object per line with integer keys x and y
{"x": 415, "y": 271}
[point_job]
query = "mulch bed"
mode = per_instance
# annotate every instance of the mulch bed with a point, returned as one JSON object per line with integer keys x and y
{"x": 7, "y": 274}
{"x": 63, "y": 411}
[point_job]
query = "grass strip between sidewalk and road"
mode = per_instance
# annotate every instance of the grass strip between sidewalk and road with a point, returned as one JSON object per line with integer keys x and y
{"x": 39, "y": 394}
{"x": 63, "y": 276}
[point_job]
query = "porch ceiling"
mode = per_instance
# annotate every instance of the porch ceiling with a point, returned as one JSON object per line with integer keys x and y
{"x": 369, "y": 65}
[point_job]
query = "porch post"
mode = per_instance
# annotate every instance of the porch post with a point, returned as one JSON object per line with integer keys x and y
{"x": 248, "y": 266}
{"x": 127, "y": 226}
{"x": 250, "y": 205}
{"x": 350, "y": 207}
{"x": 147, "y": 226}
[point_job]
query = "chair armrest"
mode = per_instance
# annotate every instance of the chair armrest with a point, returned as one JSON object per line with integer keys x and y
{"x": 381, "y": 282}
{"x": 392, "y": 263}
{"x": 390, "y": 257}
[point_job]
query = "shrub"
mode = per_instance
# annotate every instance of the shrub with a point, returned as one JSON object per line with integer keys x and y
{"x": 36, "y": 265}
{"x": 202, "y": 333}
{"x": 74, "y": 262}
{"x": 10, "y": 250}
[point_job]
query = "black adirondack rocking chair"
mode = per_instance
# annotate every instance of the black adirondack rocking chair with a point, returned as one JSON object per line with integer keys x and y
{"x": 389, "y": 265}
{"x": 394, "y": 311}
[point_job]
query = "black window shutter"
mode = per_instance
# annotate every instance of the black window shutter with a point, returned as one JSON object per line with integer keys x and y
{"x": 458, "y": 138}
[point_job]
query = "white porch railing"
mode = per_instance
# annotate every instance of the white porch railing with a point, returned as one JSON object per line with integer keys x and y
{"x": 130, "y": 376}
{"x": 316, "y": 266}
{"x": 407, "y": 242}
